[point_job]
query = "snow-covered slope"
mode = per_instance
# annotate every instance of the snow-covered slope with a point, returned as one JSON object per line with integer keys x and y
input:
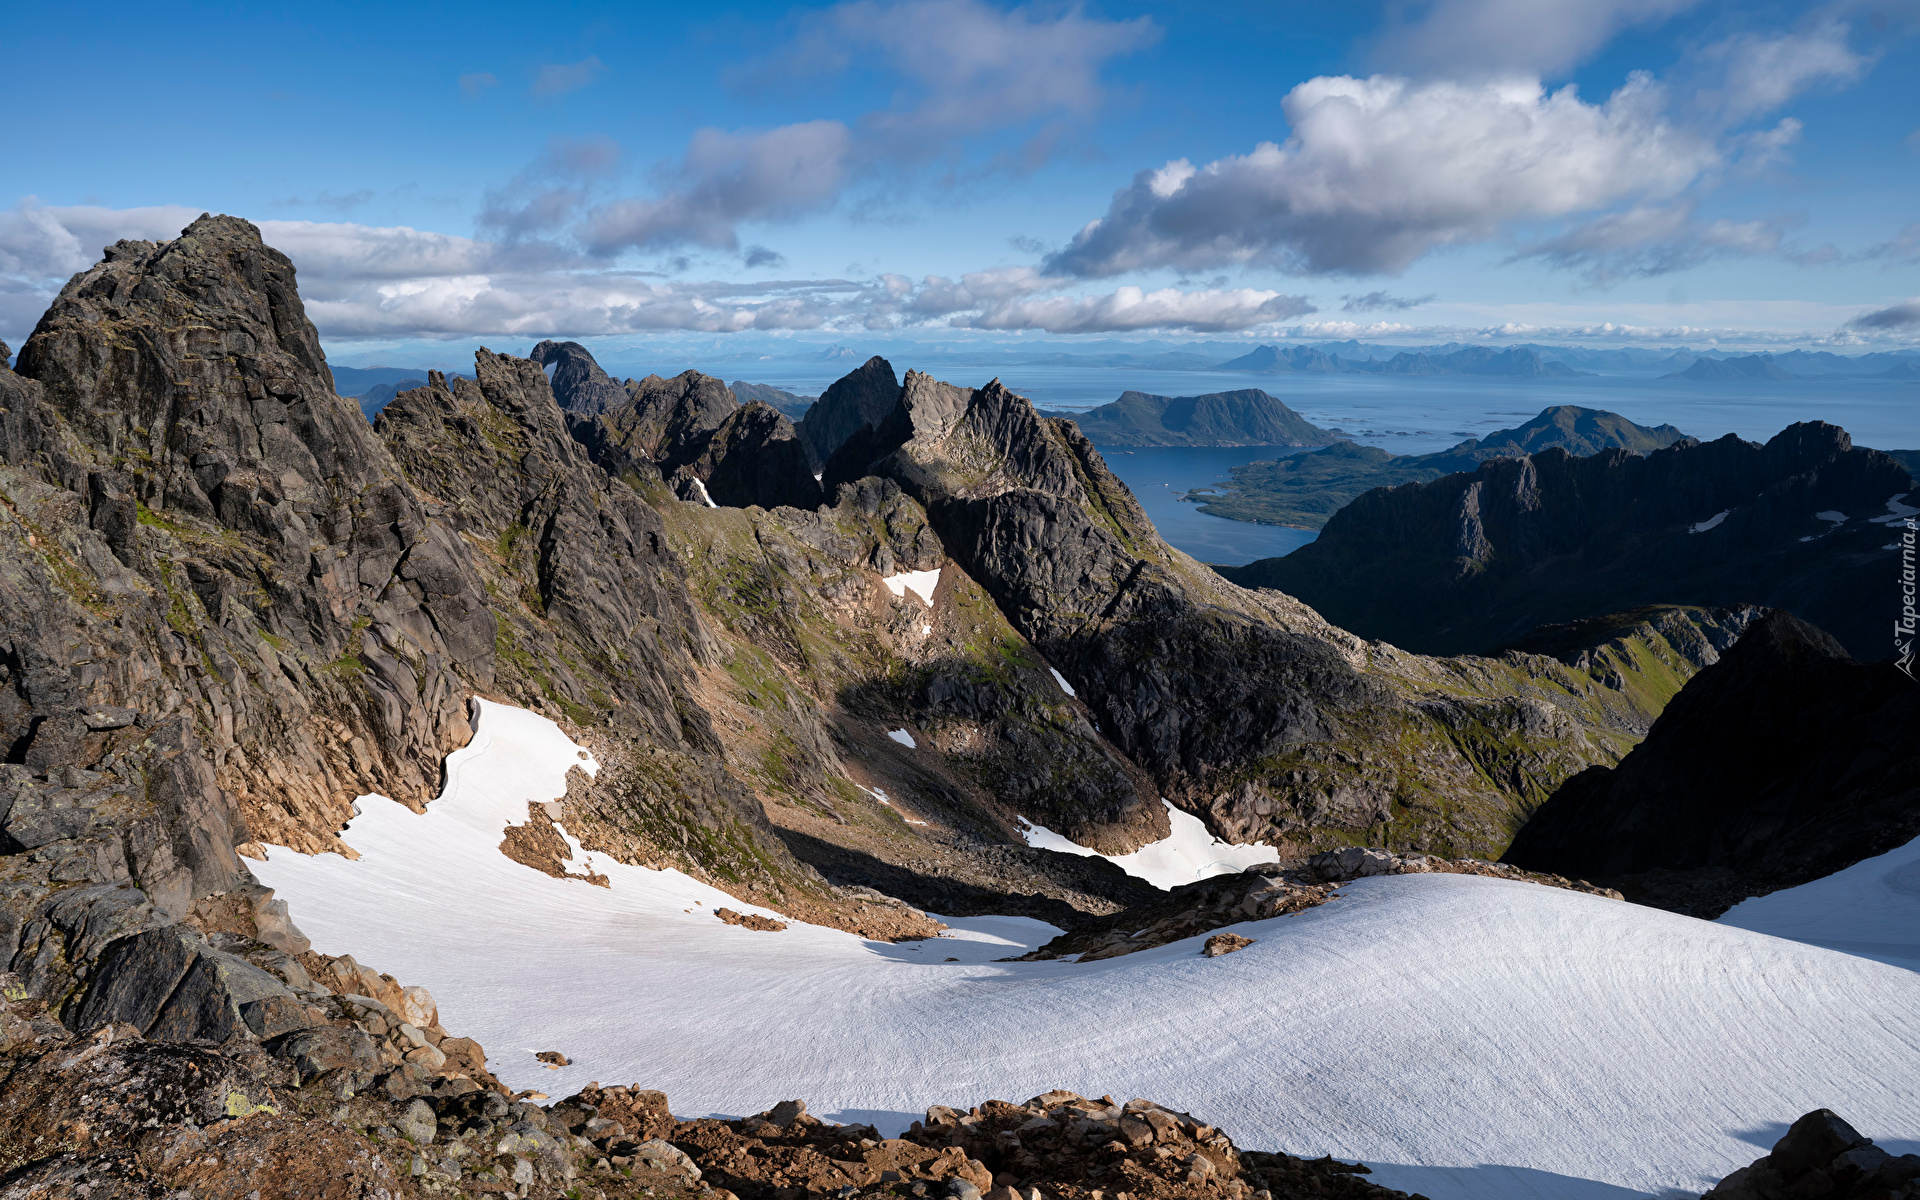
{"x": 1186, "y": 854}
{"x": 1871, "y": 909}
{"x": 1467, "y": 1037}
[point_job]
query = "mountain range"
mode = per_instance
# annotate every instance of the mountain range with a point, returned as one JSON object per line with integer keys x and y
{"x": 1304, "y": 490}
{"x": 1802, "y": 523}
{"x": 587, "y": 698}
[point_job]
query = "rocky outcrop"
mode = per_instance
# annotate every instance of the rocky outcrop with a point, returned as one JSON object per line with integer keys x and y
{"x": 1822, "y": 1155}
{"x": 579, "y": 384}
{"x": 1799, "y": 524}
{"x": 1245, "y": 707}
{"x": 864, "y": 396}
{"x": 1263, "y": 892}
{"x": 755, "y": 457}
{"x": 222, "y": 536}
{"x": 1783, "y": 762}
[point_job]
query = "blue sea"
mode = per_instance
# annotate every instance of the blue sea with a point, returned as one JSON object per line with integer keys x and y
{"x": 1404, "y": 414}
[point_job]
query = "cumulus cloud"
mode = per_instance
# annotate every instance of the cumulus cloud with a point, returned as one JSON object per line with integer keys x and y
{"x": 1494, "y": 37}
{"x": 1899, "y": 316}
{"x": 364, "y": 281}
{"x": 1380, "y": 171}
{"x": 554, "y": 78}
{"x": 1375, "y": 301}
{"x": 1130, "y": 309}
{"x": 1653, "y": 240}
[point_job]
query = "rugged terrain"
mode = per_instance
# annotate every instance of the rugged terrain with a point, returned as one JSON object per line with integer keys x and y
{"x": 1306, "y": 489}
{"x": 1801, "y": 523}
{"x": 1783, "y": 762}
{"x": 231, "y": 607}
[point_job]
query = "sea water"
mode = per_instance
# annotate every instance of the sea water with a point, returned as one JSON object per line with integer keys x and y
{"x": 1405, "y": 414}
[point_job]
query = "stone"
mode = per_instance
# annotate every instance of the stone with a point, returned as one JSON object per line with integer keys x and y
{"x": 579, "y": 385}
{"x": 417, "y": 1123}
{"x": 787, "y": 1112}
{"x": 271, "y": 1016}
{"x": 1812, "y": 1142}
{"x": 326, "y": 1048}
{"x": 865, "y": 396}
{"x": 1225, "y": 943}
{"x": 962, "y": 1189}
{"x": 135, "y": 977}
{"x": 664, "y": 1156}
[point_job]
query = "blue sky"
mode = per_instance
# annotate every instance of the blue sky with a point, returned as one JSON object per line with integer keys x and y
{"x": 1606, "y": 171}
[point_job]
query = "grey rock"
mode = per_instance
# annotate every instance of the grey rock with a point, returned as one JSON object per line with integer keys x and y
{"x": 326, "y": 1048}
{"x": 962, "y": 1189}
{"x": 865, "y": 396}
{"x": 135, "y": 978}
{"x": 579, "y": 384}
{"x": 102, "y": 717}
{"x": 664, "y": 1156}
{"x": 754, "y": 457}
{"x": 417, "y": 1123}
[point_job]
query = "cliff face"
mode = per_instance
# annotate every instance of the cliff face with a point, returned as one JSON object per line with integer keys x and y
{"x": 1243, "y": 706}
{"x": 1525, "y": 541}
{"x": 317, "y": 624}
{"x": 579, "y": 384}
{"x": 1783, "y": 762}
{"x": 864, "y": 396}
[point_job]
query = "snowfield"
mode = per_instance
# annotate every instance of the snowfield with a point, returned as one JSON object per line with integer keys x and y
{"x": 1871, "y": 909}
{"x": 1188, "y": 854}
{"x": 1465, "y": 1037}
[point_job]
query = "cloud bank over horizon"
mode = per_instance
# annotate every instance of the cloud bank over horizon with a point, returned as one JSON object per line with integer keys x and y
{"x": 1470, "y": 154}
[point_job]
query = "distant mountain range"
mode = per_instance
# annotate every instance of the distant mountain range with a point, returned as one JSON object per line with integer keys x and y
{"x": 791, "y": 405}
{"x": 1471, "y": 560}
{"x": 1304, "y": 490}
{"x": 1248, "y": 417}
{"x": 1470, "y": 360}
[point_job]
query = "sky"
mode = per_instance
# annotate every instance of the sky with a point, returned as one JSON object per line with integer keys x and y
{"x": 1606, "y": 172}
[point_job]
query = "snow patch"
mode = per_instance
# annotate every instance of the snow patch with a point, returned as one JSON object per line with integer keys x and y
{"x": 920, "y": 583}
{"x": 1467, "y": 1038}
{"x": 700, "y": 490}
{"x": 1834, "y": 515}
{"x": 903, "y": 737}
{"x": 1062, "y": 681}
{"x": 1871, "y": 909}
{"x": 1188, "y": 853}
{"x": 1712, "y": 522}
{"x": 1896, "y": 511}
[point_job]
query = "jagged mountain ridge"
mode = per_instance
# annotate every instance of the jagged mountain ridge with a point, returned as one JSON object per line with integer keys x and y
{"x": 287, "y": 609}
{"x": 1245, "y": 706}
{"x": 1304, "y": 490}
{"x": 1521, "y": 542}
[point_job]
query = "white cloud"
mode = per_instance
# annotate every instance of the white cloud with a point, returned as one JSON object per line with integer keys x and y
{"x": 1492, "y": 37}
{"x": 970, "y": 67}
{"x": 1653, "y": 240}
{"x": 725, "y": 179}
{"x": 1130, "y": 309}
{"x": 1380, "y": 171}
{"x": 1752, "y": 74}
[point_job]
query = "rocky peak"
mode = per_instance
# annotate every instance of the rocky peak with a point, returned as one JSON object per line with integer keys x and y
{"x": 215, "y": 373}
{"x": 1783, "y": 761}
{"x": 665, "y": 423}
{"x": 863, "y": 396}
{"x": 755, "y": 457}
{"x": 578, "y": 382}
